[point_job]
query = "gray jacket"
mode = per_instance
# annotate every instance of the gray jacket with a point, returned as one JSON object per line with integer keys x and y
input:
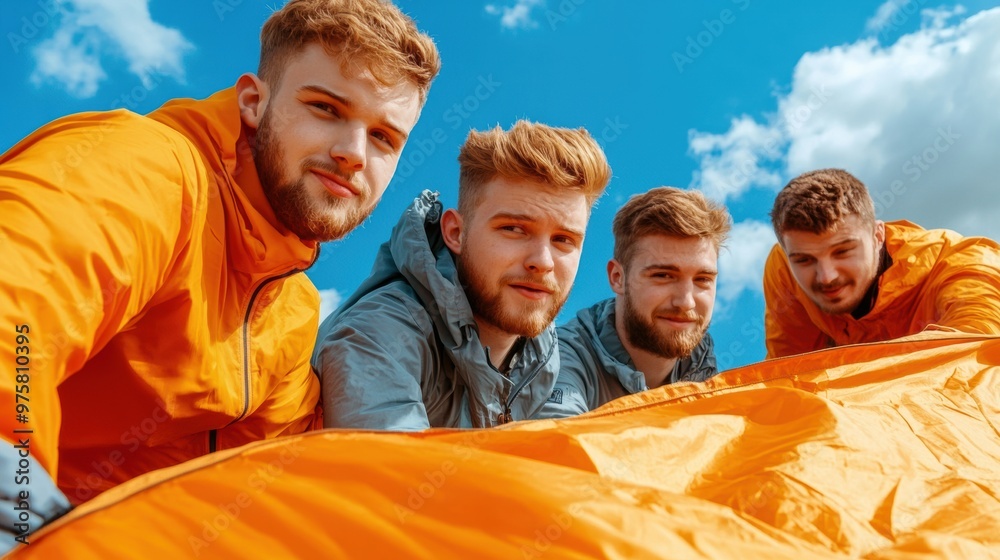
{"x": 403, "y": 352}
{"x": 596, "y": 368}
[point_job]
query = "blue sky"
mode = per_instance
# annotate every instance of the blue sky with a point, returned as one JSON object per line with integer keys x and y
{"x": 733, "y": 97}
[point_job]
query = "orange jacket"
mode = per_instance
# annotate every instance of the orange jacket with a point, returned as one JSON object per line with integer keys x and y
{"x": 937, "y": 278}
{"x": 163, "y": 312}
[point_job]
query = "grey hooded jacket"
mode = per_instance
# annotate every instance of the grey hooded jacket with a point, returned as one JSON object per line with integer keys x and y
{"x": 596, "y": 368}
{"x": 403, "y": 352}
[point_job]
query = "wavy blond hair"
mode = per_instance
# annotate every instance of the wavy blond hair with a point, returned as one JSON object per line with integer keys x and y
{"x": 373, "y": 32}
{"x": 560, "y": 157}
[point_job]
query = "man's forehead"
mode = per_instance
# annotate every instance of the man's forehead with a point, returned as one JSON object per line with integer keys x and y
{"x": 664, "y": 250}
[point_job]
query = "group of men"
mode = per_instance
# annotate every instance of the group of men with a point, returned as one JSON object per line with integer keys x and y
{"x": 156, "y": 307}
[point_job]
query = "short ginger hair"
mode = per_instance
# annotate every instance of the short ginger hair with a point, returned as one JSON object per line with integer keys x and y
{"x": 563, "y": 158}
{"x": 668, "y": 211}
{"x": 817, "y": 200}
{"x": 373, "y": 32}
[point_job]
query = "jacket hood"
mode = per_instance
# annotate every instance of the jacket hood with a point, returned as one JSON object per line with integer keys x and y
{"x": 416, "y": 253}
{"x": 259, "y": 243}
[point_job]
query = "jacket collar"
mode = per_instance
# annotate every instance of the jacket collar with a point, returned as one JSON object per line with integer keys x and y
{"x": 599, "y": 320}
{"x": 257, "y": 243}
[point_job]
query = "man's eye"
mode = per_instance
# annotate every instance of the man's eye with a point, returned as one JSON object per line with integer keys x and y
{"x": 325, "y": 107}
{"x": 383, "y": 137}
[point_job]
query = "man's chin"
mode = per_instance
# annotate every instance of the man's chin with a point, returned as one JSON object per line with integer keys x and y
{"x": 840, "y": 308}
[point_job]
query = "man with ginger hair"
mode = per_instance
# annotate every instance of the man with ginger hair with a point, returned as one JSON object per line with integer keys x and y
{"x": 157, "y": 288}
{"x": 839, "y": 276}
{"x": 454, "y": 326}
{"x": 654, "y": 331}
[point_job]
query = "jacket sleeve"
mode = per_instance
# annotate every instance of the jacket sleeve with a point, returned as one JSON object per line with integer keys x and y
{"x": 969, "y": 299}
{"x": 371, "y": 360}
{"x": 788, "y": 328}
{"x": 94, "y": 215}
{"x": 572, "y": 393}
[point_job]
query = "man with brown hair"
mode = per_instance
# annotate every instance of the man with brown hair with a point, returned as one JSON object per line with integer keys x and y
{"x": 156, "y": 286}
{"x": 454, "y": 326}
{"x": 655, "y": 330}
{"x": 839, "y": 276}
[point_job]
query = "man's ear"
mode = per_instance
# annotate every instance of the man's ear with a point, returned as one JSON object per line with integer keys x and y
{"x": 252, "y": 95}
{"x": 451, "y": 230}
{"x": 616, "y": 276}
{"x": 879, "y": 233}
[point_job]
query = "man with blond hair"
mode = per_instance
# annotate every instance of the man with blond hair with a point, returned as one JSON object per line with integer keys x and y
{"x": 156, "y": 287}
{"x": 454, "y": 326}
{"x": 839, "y": 276}
{"x": 654, "y": 331}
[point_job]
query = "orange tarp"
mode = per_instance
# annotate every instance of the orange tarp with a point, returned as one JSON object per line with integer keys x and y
{"x": 887, "y": 450}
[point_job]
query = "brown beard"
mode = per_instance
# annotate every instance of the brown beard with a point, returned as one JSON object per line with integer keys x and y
{"x": 309, "y": 219}
{"x": 643, "y": 333}
{"x": 486, "y": 301}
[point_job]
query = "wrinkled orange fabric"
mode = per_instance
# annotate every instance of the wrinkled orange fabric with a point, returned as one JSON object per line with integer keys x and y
{"x": 886, "y": 450}
{"x": 938, "y": 279}
{"x": 161, "y": 301}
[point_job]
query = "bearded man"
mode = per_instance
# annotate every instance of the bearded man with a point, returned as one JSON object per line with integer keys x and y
{"x": 840, "y": 276}
{"x": 155, "y": 287}
{"x": 654, "y": 331}
{"x": 453, "y": 328}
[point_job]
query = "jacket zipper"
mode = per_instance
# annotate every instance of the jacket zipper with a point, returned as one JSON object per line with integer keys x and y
{"x": 213, "y": 434}
{"x": 509, "y": 400}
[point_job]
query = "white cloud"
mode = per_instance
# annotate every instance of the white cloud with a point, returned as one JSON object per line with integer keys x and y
{"x": 938, "y": 17}
{"x": 91, "y": 28}
{"x": 329, "y": 300}
{"x": 71, "y": 61}
{"x": 516, "y": 16}
{"x": 741, "y": 262}
{"x": 915, "y": 120}
{"x": 731, "y": 162}
{"x": 883, "y": 15}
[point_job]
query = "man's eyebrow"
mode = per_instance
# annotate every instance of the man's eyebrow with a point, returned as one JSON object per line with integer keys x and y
{"x": 350, "y": 105}
{"x": 529, "y": 218}
{"x": 675, "y": 268}
{"x": 845, "y": 242}
{"x": 842, "y": 242}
